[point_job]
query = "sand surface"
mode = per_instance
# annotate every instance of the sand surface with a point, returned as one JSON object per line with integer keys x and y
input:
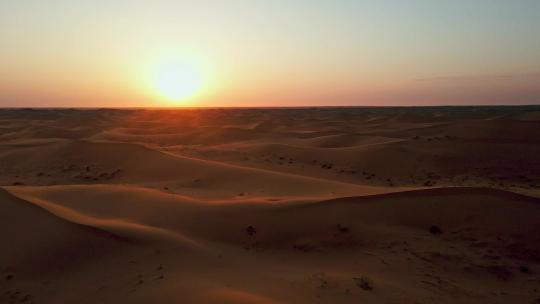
{"x": 314, "y": 205}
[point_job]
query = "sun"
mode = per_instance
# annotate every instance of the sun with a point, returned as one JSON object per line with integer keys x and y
{"x": 177, "y": 80}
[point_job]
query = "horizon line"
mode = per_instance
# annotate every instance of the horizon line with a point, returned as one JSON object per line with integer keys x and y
{"x": 263, "y": 107}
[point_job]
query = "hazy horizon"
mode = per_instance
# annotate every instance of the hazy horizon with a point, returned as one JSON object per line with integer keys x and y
{"x": 139, "y": 54}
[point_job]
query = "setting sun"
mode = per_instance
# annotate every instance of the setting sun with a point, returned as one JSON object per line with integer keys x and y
{"x": 176, "y": 81}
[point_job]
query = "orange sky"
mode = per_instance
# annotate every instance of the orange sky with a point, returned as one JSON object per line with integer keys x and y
{"x": 268, "y": 53}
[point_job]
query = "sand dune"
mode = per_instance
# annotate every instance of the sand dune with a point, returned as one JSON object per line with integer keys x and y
{"x": 103, "y": 162}
{"x": 337, "y": 241}
{"x": 452, "y": 208}
{"x": 396, "y": 205}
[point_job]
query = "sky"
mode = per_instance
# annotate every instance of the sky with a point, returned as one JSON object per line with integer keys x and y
{"x": 66, "y": 53}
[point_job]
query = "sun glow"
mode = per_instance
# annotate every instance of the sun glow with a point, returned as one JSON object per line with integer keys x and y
{"x": 177, "y": 80}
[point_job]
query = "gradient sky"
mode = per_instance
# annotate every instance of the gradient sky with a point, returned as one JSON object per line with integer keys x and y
{"x": 271, "y": 53}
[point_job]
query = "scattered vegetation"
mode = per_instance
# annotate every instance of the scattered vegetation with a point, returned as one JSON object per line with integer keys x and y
{"x": 343, "y": 229}
{"x": 524, "y": 269}
{"x": 251, "y": 231}
{"x": 364, "y": 282}
{"x": 435, "y": 230}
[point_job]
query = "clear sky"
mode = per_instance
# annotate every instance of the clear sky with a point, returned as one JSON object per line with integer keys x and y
{"x": 268, "y": 53}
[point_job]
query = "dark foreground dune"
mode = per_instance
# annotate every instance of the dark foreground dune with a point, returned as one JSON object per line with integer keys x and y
{"x": 329, "y": 205}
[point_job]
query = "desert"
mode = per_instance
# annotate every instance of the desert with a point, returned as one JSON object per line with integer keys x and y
{"x": 270, "y": 205}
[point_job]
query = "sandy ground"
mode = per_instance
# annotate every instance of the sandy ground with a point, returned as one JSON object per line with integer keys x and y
{"x": 318, "y": 205}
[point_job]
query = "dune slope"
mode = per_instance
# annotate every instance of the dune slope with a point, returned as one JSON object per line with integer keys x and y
{"x": 307, "y": 250}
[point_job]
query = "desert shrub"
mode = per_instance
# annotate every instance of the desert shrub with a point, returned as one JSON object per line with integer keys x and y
{"x": 435, "y": 230}
{"x": 364, "y": 282}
